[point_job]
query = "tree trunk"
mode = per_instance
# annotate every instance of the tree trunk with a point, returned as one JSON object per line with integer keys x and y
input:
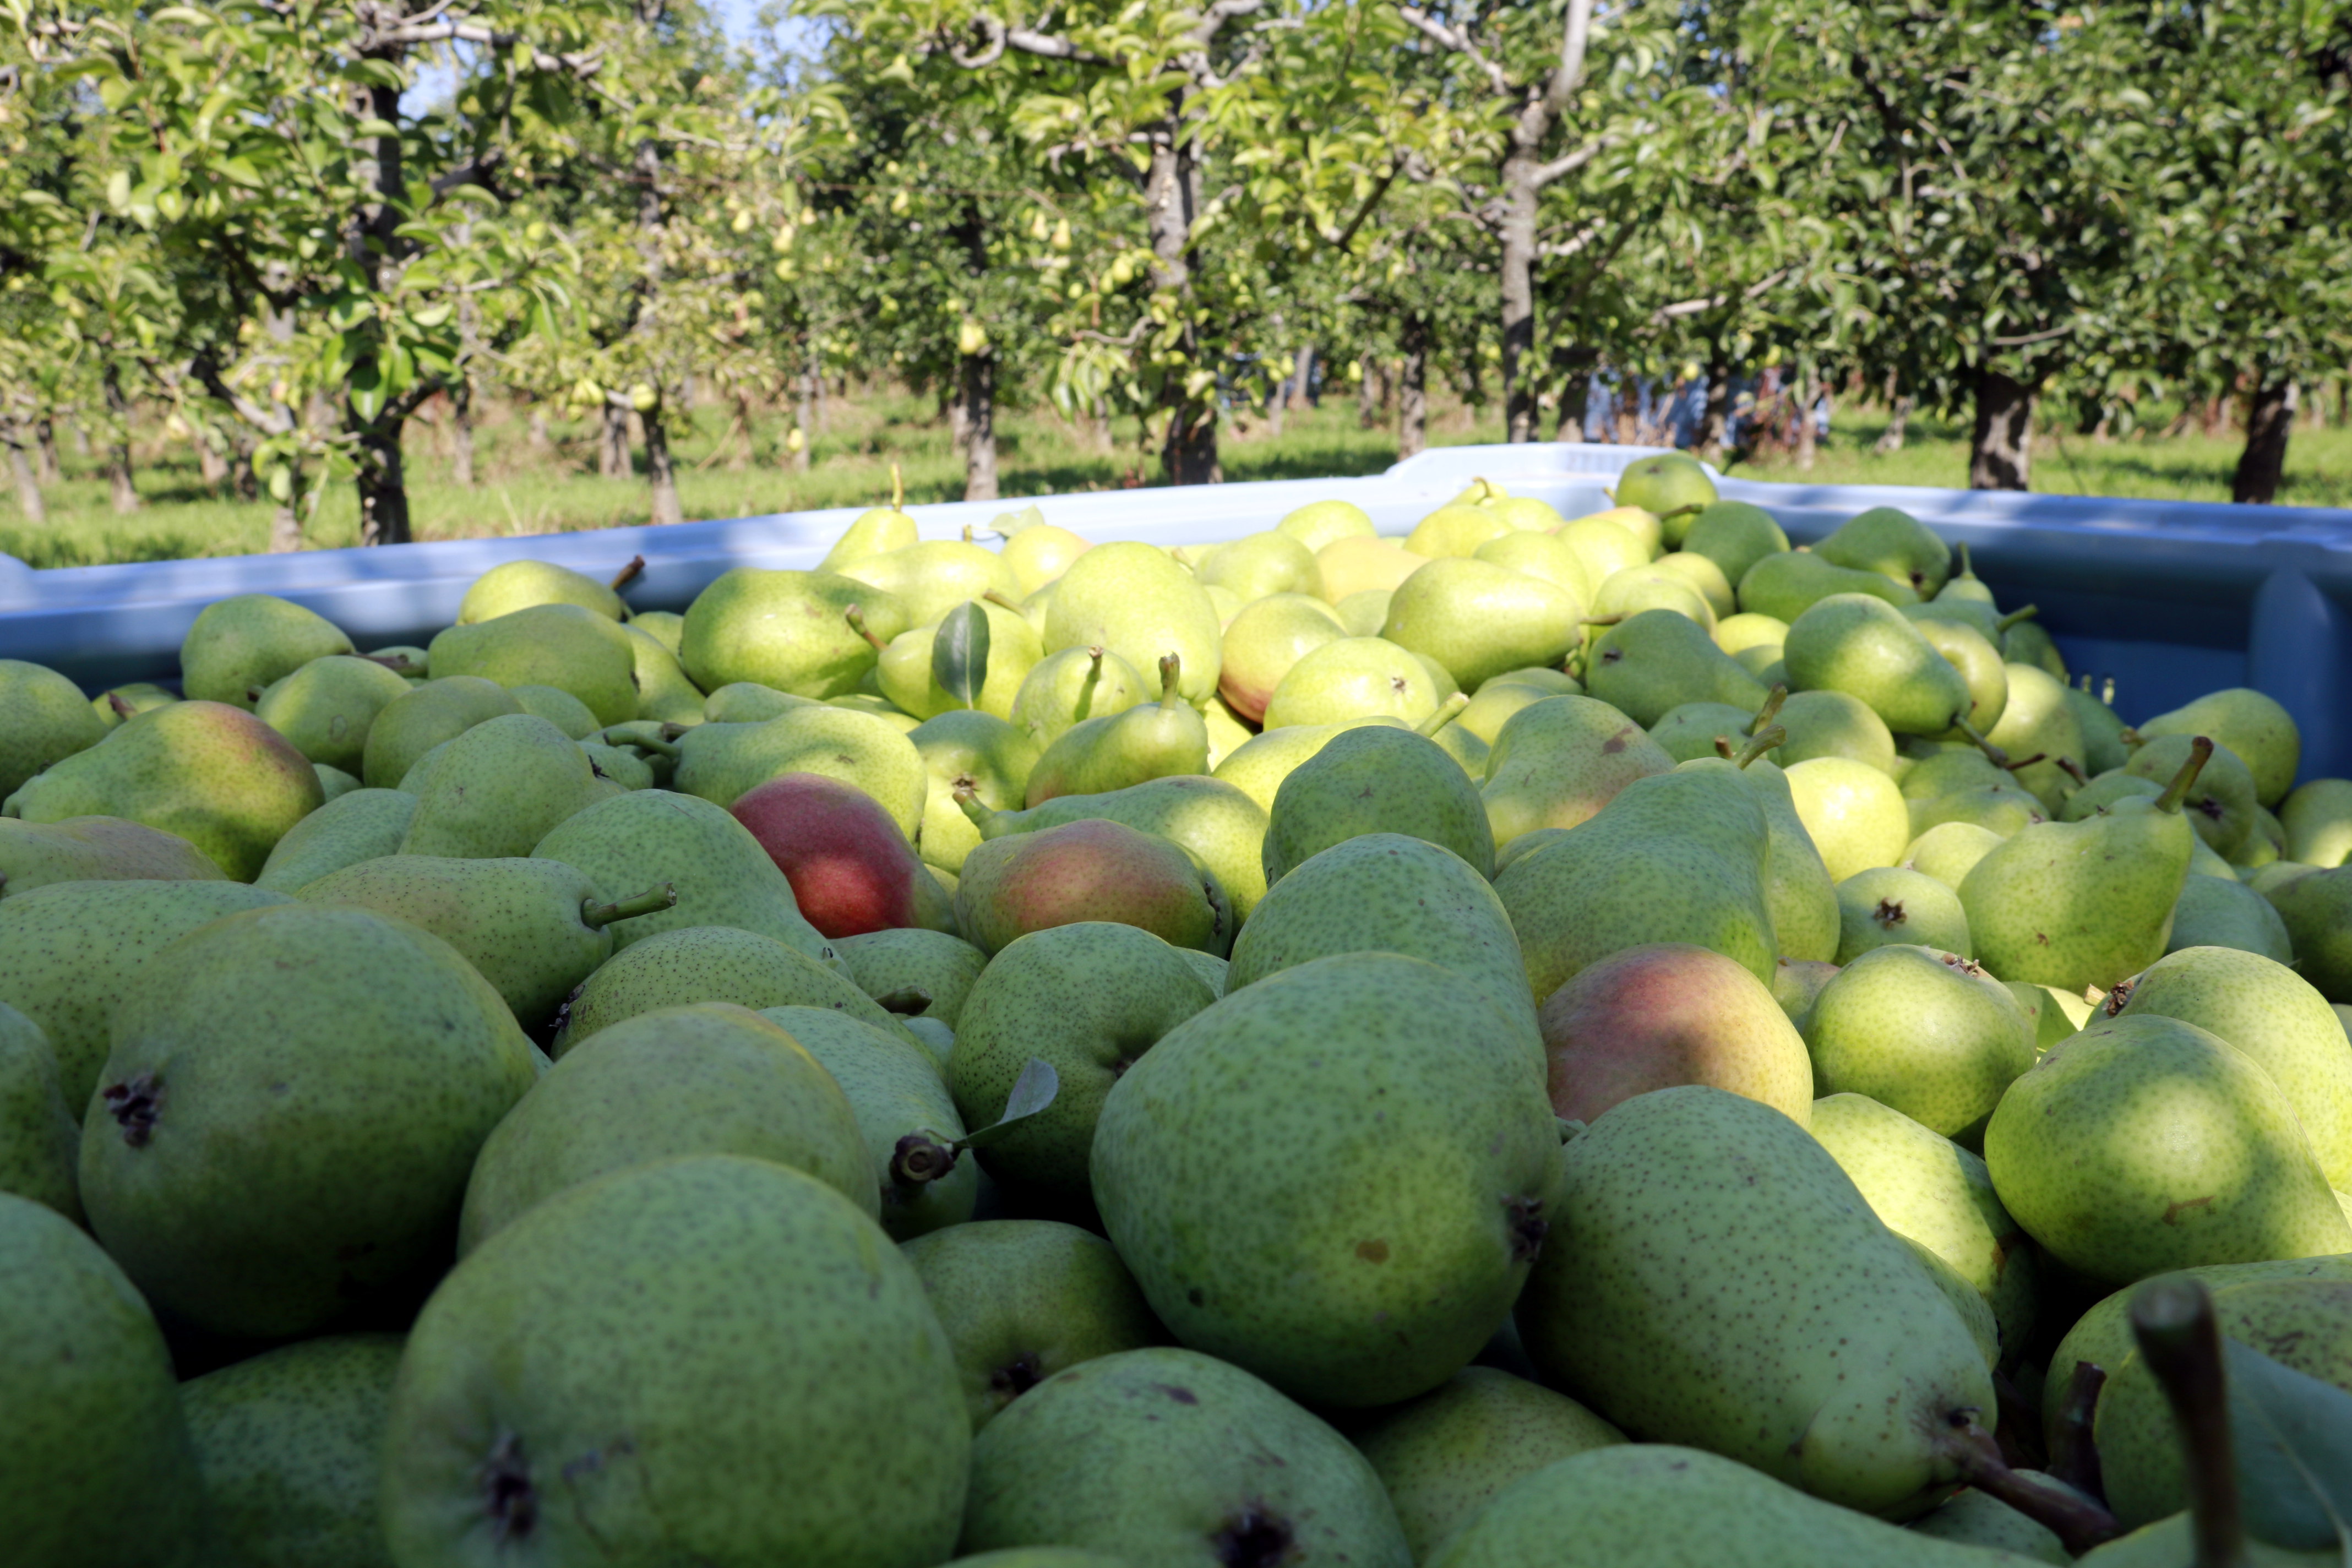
{"x": 1172, "y": 200}
{"x": 1807, "y": 392}
{"x": 286, "y": 521}
{"x": 2216, "y": 410}
{"x": 1105, "y": 437}
{"x": 80, "y": 440}
{"x": 28, "y": 484}
{"x": 124, "y": 495}
{"x": 383, "y": 484}
{"x": 952, "y": 409}
{"x": 979, "y": 405}
{"x": 45, "y": 438}
{"x": 659, "y": 471}
{"x": 2268, "y": 425}
{"x": 212, "y": 467}
{"x": 1368, "y": 395}
{"x": 1413, "y": 389}
{"x": 1302, "y": 378}
{"x": 740, "y": 458}
{"x": 1277, "y": 404}
{"x": 1716, "y": 420}
{"x": 461, "y": 432}
{"x": 1999, "y": 452}
{"x": 540, "y": 441}
{"x": 1898, "y": 421}
{"x": 613, "y": 444}
{"x": 1518, "y": 260}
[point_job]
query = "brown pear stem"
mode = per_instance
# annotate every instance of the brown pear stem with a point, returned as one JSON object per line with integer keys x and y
{"x": 1763, "y": 740}
{"x": 997, "y": 597}
{"x": 629, "y": 574}
{"x": 906, "y": 1001}
{"x": 855, "y": 616}
{"x": 1171, "y": 669}
{"x": 398, "y": 663}
{"x": 1770, "y": 710}
{"x": 918, "y": 1160}
{"x": 1443, "y": 717}
{"x": 123, "y": 710}
{"x": 1724, "y": 749}
{"x": 2073, "y": 770}
{"x": 2172, "y": 1320}
{"x": 2014, "y": 616}
{"x": 1993, "y": 753}
{"x": 596, "y": 916}
{"x": 2077, "y": 1522}
{"x": 2073, "y": 1458}
{"x": 2201, "y": 752}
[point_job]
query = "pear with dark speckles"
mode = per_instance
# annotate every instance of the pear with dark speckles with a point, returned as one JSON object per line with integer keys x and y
{"x": 944, "y": 967}
{"x": 1336, "y": 1177}
{"x": 1022, "y": 1298}
{"x": 713, "y": 1360}
{"x": 39, "y": 1135}
{"x": 370, "y": 827}
{"x": 290, "y": 1443}
{"x": 1927, "y": 1032}
{"x": 500, "y": 787}
{"x": 708, "y": 964}
{"x": 894, "y": 1091}
{"x": 1376, "y": 781}
{"x": 1713, "y": 1278}
{"x": 1172, "y": 1458}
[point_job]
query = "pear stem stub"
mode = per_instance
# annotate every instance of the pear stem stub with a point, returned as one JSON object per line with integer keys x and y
{"x": 1171, "y": 669}
{"x": 967, "y": 800}
{"x": 2172, "y": 1320}
{"x": 2201, "y": 752}
{"x": 1443, "y": 717}
{"x": 1771, "y": 708}
{"x": 1993, "y": 753}
{"x": 629, "y": 574}
{"x": 920, "y": 1159}
{"x": 855, "y": 616}
{"x": 1765, "y": 740}
{"x": 997, "y": 597}
{"x": 2011, "y": 619}
{"x": 2073, "y": 1459}
{"x": 2078, "y": 1521}
{"x": 596, "y": 916}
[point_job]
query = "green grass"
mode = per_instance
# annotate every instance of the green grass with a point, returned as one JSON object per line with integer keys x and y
{"x": 520, "y": 491}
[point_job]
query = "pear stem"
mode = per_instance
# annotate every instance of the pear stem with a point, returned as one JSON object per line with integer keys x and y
{"x": 2107, "y": 691}
{"x": 1968, "y": 566}
{"x": 596, "y": 916}
{"x": 1763, "y": 740}
{"x": 2172, "y": 1320}
{"x": 906, "y": 1001}
{"x": 1993, "y": 754}
{"x": 2014, "y": 616}
{"x": 855, "y": 616}
{"x": 629, "y": 574}
{"x": 1722, "y": 748}
{"x": 2077, "y": 1522}
{"x": 1770, "y": 710}
{"x": 898, "y": 489}
{"x": 1600, "y": 620}
{"x": 1088, "y": 685}
{"x": 1443, "y": 717}
{"x": 2201, "y": 752}
{"x": 2072, "y": 1457}
{"x": 973, "y": 807}
{"x": 1171, "y": 669}
{"x": 918, "y": 1160}
{"x": 398, "y": 663}
{"x": 2073, "y": 770}
{"x": 996, "y": 596}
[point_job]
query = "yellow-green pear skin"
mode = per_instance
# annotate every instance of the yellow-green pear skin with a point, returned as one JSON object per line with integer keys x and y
{"x": 1798, "y": 892}
{"x": 514, "y": 585}
{"x": 1931, "y": 1190}
{"x": 1264, "y": 640}
{"x": 40, "y": 1137}
{"x": 708, "y": 964}
{"x": 500, "y": 787}
{"x": 789, "y": 630}
{"x": 2271, "y": 1014}
{"x": 1863, "y": 647}
{"x": 1889, "y": 906}
{"x": 326, "y": 707}
{"x": 1655, "y": 1505}
{"x": 2318, "y": 821}
{"x": 2076, "y": 904}
{"x": 1442, "y": 1455}
{"x": 877, "y": 530}
{"x": 1979, "y": 1519}
{"x": 2172, "y": 1542}
{"x": 1787, "y": 582}
{"x": 664, "y": 693}
{"x": 1257, "y": 766}
{"x": 1023, "y": 1299}
{"x": 562, "y": 645}
{"x": 285, "y": 1123}
{"x": 2250, "y": 723}
{"x": 1455, "y": 530}
{"x": 906, "y": 677}
{"x": 1258, "y": 565}
{"x": 1478, "y": 619}
{"x": 934, "y": 576}
{"x": 1652, "y": 662}
{"x": 1367, "y": 1284}
{"x": 1070, "y": 687}
{"x": 1222, "y": 826}
{"x": 237, "y": 645}
{"x": 1320, "y": 522}
{"x": 579, "y": 1382}
{"x": 1376, "y": 781}
{"x": 1678, "y": 858}
{"x": 1134, "y": 600}
{"x": 1832, "y": 724}
{"x": 1714, "y": 1278}
{"x": 2212, "y": 911}
{"x": 1350, "y": 678}
{"x": 1735, "y": 535}
{"x": 2038, "y": 721}
{"x": 1558, "y": 759}
{"x": 965, "y": 750}
{"x": 98, "y": 849}
{"x": 709, "y": 1078}
{"x": 1672, "y": 487}
{"x": 422, "y": 718}
{"x": 100, "y": 1465}
{"x": 1153, "y": 740}
{"x": 722, "y": 761}
{"x": 2220, "y": 805}
{"x": 894, "y": 1090}
{"x": 943, "y": 966}
{"x": 1892, "y": 544}
{"x": 2146, "y": 1144}
{"x": 290, "y": 1443}
{"x": 1927, "y": 1032}
{"x": 1167, "y": 1456}
{"x": 44, "y": 718}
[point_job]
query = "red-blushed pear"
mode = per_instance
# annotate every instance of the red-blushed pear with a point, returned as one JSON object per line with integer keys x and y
{"x": 1091, "y": 869}
{"x": 1667, "y": 1014}
{"x": 851, "y": 869}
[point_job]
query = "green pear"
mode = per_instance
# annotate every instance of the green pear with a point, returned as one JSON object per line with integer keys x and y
{"x": 1974, "y": 1518}
{"x": 39, "y": 1134}
{"x": 326, "y": 707}
{"x": 1930, "y": 1190}
{"x": 708, "y": 1078}
{"x": 1259, "y": 764}
{"x": 1892, "y": 544}
{"x": 1628, "y": 593}
{"x": 1090, "y": 869}
{"x": 2057, "y": 1015}
{"x": 664, "y": 693}
{"x": 1798, "y": 892}
{"x": 261, "y": 1183}
{"x": 405, "y": 659}
{"x": 1861, "y": 645}
{"x": 1978, "y": 662}
{"x": 932, "y": 576}
{"x": 1376, "y": 781}
{"x": 1320, "y": 522}
{"x": 708, "y": 963}
{"x": 1264, "y": 640}
{"x": 1363, "y": 614}
{"x": 425, "y": 716}
{"x": 1602, "y": 547}
{"x": 1479, "y": 619}
{"x": 1656, "y": 660}
{"x": 1796, "y": 983}
{"x": 2317, "y": 818}
{"x": 290, "y": 1444}
{"x": 1090, "y": 999}
{"x": 722, "y": 763}
{"x": 2220, "y": 805}
{"x": 500, "y": 788}
{"x": 1037, "y": 552}
{"x": 114, "y": 706}
{"x": 1672, "y": 486}
{"x": 359, "y": 825}
{"x": 44, "y": 718}
{"x": 1854, "y": 814}
{"x": 1735, "y": 535}
{"x": 887, "y": 963}
{"x": 1703, "y": 575}
{"x": 520, "y": 584}
{"x": 789, "y": 630}
{"x": 748, "y": 702}
{"x": 1022, "y": 1300}
{"x": 533, "y": 928}
{"x": 2250, "y": 725}
{"x": 2271, "y": 1014}
{"x": 1154, "y": 740}
{"x": 1442, "y": 1455}
{"x": 1350, "y": 678}
{"x": 2103, "y": 791}
{"x": 1540, "y": 554}
{"x": 1679, "y": 858}
{"x": 1653, "y": 1505}
{"x": 2146, "y": 1144}
{"x": 904, "y": 1114}
{"x": 2038, "y": 721}
{"x": 2212, "y": 912}
{"x": 213, "y": 775}
{"x": 1258, "y": 565}
{"x": 1888, "y": 905}
{"x": 75, "y": 950}
{"x": 1739, "y": 633}
{"x": 2105, "y": 737}
{"x": 1641, "y": 523}
{"x": 625, "y": 767}
{"x": 1135, "y": 600}
{"x": 1070, "y": 687}
{"x": 94, "y": 1417}
{"x": 1819, "y": 1350}
{"x": 2073, "y": 904}
{"x": 907, "y": 678}
{"x": 239, "y": 645}
{"x": 535, "y": 1408}
{"x": 2000, "y": 808}
{"x": 1390, "y": 893}
{"x": 1352, "y": 1289}
{"x": 1926, "y": 1033}
{"x": 96, "y": 849}
{"x": 1690, "y": 731}
{"x": 963, "y": 750}
{"x": 1505, "y": 695}
{"x": 1966, "y": 1304}
{"x": 1456, "y": 530}
{"x": 1832, "y": 724}
{"x": 562, "y": 645}
{"x": 1170, "y": 1455}
{"x": 878, "y": 531}
{"x": 1219, "y": 825}
{"x": 2316, "y": 909}
{"x": 1787, "y": 584}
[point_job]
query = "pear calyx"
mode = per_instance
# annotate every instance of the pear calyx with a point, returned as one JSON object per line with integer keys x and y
{"x": 134, "y": 1104}
{"x": 508, "y": 1495}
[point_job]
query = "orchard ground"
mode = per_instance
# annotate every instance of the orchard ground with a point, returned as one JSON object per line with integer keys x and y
{"x": 519, "y": 490}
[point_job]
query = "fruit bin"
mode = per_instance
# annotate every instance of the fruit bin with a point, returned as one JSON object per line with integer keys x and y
{"x": 2173, "y": 599}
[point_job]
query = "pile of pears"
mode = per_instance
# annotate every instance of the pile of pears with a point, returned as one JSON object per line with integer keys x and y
{"x": 1607, "y": 1041}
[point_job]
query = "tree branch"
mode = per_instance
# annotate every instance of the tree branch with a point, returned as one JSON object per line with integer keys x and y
{"x": 999, "y": 38}
{"x": 1460, "y": 41}
{"x": 1569, "y": 74}
{"x": 1544, "y": 175}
